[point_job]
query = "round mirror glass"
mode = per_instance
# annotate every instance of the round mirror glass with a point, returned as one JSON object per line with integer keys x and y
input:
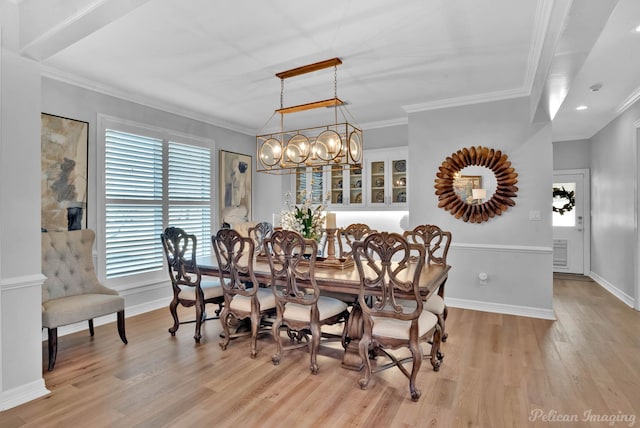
{"x": 475, "y": 184}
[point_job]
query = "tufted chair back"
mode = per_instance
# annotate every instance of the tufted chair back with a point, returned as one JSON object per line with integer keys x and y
{"x": 67, "y": 262}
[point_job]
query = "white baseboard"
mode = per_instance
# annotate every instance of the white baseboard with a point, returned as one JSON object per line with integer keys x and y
{"x": 624, "y": 297}
{"x": 20, "y": 395}
{"x": 499, "y": 308}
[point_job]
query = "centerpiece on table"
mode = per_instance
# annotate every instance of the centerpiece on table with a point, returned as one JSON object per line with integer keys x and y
{"x": 306, "y": 219}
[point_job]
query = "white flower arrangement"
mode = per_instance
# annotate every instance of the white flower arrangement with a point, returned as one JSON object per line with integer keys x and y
{"x": 304, "y": 219}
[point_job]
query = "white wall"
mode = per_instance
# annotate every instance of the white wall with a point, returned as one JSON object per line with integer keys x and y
{"x": 574, "y": 154}
{"x": 514, "y": 251}
{"x": 613, "y": 204}
{"x": 20, "y": 277}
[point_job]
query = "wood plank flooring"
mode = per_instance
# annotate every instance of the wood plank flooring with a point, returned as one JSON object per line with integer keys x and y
{"x": 499, "y": 371}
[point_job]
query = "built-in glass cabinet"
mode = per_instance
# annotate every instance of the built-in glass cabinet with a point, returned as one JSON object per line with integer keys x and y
{"x": 381, "y": 183}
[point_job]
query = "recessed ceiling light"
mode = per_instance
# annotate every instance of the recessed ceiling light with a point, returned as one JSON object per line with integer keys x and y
{"x": 581, "y": 108}
{"x": 638, "y": 29}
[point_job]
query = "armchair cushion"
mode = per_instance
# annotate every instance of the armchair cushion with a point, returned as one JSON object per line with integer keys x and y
{"x": 81, "y": 307}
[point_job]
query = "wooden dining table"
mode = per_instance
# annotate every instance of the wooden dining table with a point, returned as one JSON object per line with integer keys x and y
{"x": 345, "y": 281}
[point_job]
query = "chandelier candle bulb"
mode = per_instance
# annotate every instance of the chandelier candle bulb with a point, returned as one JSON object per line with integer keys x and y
{"x": 331, "y": 220}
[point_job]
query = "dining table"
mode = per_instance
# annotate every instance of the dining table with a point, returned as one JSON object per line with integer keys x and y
{"x": 345, "y": 281}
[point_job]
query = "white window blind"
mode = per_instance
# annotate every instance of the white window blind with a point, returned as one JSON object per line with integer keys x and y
{"x": 151, "y": 183}
{"x": 190, "y": 192}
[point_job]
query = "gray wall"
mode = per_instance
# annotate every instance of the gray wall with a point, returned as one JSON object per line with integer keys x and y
{"x": 514, "y": 251}
{"x": 614, "y": 204}
{"x": 574, "y": 154}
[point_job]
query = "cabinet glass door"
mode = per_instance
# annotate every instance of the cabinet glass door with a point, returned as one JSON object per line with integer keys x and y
{"x": 377, "y": 182}
{"x": 309, "y": 182}
{"x": 399, "y": 181}
{"x": 337, "y": 187}
{"x": 355, "y": 189}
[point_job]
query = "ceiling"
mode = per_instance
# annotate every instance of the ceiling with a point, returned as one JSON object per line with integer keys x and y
{"x": 216, "y": 61}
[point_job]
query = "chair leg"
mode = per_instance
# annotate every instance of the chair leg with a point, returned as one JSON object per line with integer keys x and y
{"x": 91, "y": 327}
{"x": 255, "y": 325}
{"x": 121, "y": 332}
{"x": 53, "y": 346}
{"x": 436, "y": 355}
{"x": 199, "y": 311}
{"x": 416, "y": 353}
{"x": 174, "y": 314}
{"x": 444, "y": 318}
{"x": 275, "y": 329}
{"x": 226, "y": 336}
{"x": 314, "y": 345}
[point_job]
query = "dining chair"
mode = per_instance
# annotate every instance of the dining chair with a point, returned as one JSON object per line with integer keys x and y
{"x": 189, "y": 289}
{"x": 243, "y": 297}
{"x": 259, "y": 232}
{"x": 391, "y": 305}
{"x": 350, "y": 234}
{"x": 299, "y": 306}
{"x": 436, "y": 243}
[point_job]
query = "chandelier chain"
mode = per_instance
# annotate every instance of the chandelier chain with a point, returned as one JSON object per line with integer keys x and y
{"x": 281, "y": 93}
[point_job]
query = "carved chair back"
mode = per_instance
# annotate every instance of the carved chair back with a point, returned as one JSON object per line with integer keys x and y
{"x": 435, "y": 240}
{"x": 234, "y": 255}
{"x": 259, "y": 233}
{"x": 350, "y": 234}
{"x": 292, "y": 261}
{"x": 180, "y": 252}
{"x": 388, "y": 278}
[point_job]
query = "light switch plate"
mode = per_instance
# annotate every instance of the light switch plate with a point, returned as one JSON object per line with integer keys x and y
{"x": 534, "y": 215}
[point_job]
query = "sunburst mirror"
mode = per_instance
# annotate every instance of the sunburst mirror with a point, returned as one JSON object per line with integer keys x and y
{"x": 475, "y": 184}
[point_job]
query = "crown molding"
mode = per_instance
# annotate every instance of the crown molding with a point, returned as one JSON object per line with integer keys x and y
{"x": 56, "y": 74}
{"x": 540, "y": 27}
{"x": 386, "y": 123}
{"x": 467, "y": 100}
{"x": 629, "y": 101}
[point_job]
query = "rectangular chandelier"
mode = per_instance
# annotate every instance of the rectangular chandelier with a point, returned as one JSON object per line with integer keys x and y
{"x": 338, "y": 144}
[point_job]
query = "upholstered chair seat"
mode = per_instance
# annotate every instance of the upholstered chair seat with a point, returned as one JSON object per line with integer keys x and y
{"x": 327, "y": 307}
{"x": 434, "y": 304}
{"x": 211, "y": 289}
{"x": 265, "y": 298}
{"x": 400, "y": 329}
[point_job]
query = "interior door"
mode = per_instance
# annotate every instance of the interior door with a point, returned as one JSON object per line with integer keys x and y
{"x": 570, "y": 226}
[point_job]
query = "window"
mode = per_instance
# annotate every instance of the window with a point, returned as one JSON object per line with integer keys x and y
{"x": 151, "y": 182}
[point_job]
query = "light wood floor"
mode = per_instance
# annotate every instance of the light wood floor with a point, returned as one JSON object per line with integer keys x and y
{"x": 498, "y": 369}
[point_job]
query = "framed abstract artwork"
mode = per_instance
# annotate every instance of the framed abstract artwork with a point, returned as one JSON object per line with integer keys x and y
{"x": 234, "y": 188}
{"x": 64, "y": 149}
